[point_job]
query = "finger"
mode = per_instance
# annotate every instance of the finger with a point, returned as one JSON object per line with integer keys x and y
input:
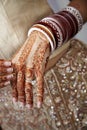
{"x": 20, "y": 88}
{"x": 6, "y": 77}
{"x": 40, "y": 64}
{"x": 14, "y": 89}
{"x": 5, "y": 63}
{"x": 28, "y": 87}
{"x": 6, "y": 70}
{"x": 40, "y": 89}
{"x": 4, "y": 84}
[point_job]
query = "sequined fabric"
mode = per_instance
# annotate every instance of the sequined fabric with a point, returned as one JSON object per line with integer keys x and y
{"x": 65, "y": 97}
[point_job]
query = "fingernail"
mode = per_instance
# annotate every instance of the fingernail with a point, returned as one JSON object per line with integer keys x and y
{"x": 15, "y": 103}
{"x": 10, "y": 76}
{"x": 14, "y": 100}
{"x": 7, "y": 63}
{"x": 7, "y": 83}
{"x": 21, "y": 104}
{"x": 9, "y": 69}
{"x": 28, "y": 106}
{"x": 39, "y": 104}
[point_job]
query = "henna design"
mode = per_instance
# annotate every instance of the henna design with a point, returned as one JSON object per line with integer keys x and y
{"x": 40, "y": 63}
{"x": 22, "y": 90}
{"x": 20, "y": 86}
{"x": 36, "y": 67}
{"x": 20, "y": 58}
{"x": 29, "y": 71}
{"x": 4, "y": 84}
{"x": 6, "y": 71}
{"x": 28, "y": 87}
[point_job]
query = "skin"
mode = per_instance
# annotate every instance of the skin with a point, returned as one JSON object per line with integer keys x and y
{"x": 36, "y": 51}
{"x": 27, "y": 67}
{"x": 6, "y": 73}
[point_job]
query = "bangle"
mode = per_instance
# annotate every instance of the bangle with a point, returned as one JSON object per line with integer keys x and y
{"x": 60, "y": 27}
{"x": 53, "y": 24}
{"x": 46, "y": 32}
{"x": 76, "y": 14}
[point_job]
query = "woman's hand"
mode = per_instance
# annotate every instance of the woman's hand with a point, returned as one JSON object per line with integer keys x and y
{"x": 6, "y": 73}
{"x": 30, "y": 64}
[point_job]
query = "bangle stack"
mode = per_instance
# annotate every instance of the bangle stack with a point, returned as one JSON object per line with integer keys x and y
{"x": 60, "y": 27}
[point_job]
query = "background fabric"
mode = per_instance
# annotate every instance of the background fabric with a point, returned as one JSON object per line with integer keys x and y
{"x": 16, "y": 17}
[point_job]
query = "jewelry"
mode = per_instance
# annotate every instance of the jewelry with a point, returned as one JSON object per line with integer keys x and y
{"x": 52, "y": 22}
{"x": 47, "y": 31}
{"x": 43, "y": 32}
{"x": 76, "y": 14}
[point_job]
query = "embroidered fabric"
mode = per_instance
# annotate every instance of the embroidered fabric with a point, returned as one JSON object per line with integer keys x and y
{"x": 65, "y": 97}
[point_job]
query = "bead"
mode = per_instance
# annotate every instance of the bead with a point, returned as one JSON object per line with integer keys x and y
{"x": 52, "y": 107}
{"x": 48, "y": 101}
{"x": 85, "y": 91}
{"x": 66, "y": 90}
{"x": 57, "y": 99}
{"x": 75, "y": 90}
{"x": 58, "y": 123}
{"x": 77, "y": 119}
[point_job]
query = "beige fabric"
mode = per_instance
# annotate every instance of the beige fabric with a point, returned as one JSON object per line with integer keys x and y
{"x": 16, "y": 17}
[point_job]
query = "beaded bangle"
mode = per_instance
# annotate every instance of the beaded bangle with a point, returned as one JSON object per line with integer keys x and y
{"x": 76, "y": 14}
{"x": 56, "y": 28}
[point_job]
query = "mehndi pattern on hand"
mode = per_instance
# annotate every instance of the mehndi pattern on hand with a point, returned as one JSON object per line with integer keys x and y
{"x": 30, "y": 63}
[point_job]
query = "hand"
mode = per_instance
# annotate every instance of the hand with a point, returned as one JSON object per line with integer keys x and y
{"x": 30, "y": 63}
{"x": 6, "y": 73}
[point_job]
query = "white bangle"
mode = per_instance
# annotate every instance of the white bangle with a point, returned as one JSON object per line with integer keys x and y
{"x": 38, "y": 29}
{"x": 44, "y": 28}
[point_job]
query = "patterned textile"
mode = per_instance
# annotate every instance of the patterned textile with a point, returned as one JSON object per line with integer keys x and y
{"x": 65, "y": 97}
